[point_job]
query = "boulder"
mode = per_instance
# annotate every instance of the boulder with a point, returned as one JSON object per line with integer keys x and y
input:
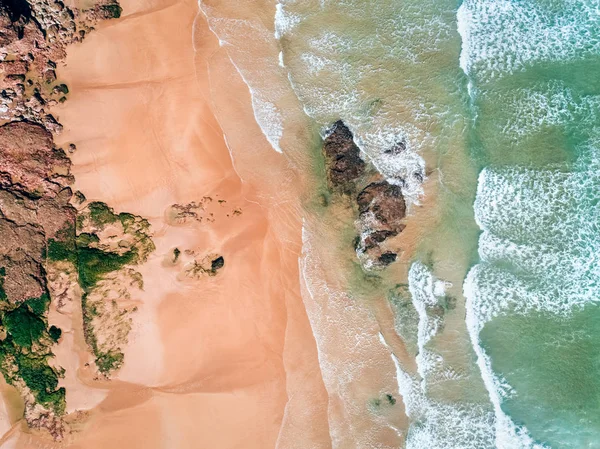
{"x": 342, "y": 158}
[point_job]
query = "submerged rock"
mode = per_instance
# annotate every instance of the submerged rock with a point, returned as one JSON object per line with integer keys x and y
{"x": 342, "y": 158}
{"x": 384, "y": 205}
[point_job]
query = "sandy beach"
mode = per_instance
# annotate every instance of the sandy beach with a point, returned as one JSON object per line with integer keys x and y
{"x": 225, "y": 361}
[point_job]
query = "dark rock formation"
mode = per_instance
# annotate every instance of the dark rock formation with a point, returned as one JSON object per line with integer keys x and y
{"x": 29, "y": 162}
{"x": 342, "y": 157}
{"x": 386, "y": 204}
{"x": 381, "y": 207}
{"x": 398, "y": 148}
{"x": 217, "y": 264}
{"x": 387, "y": 258}
{"x": 34, "y": 205}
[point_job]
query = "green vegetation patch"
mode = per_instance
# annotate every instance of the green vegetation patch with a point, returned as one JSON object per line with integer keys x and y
{"x": 112, "y": 11}
{"x": 101, "y": 214}
{"x": 109, "y": 361}
{"x": 55, "y": 333}
{"x": 58, "y": 250}
{"x": 86, "y": 239}
{"x": 94, "y": 263}
{"x": 62, "y": 246}
{"x": 106, "y": 361}
{"x": 26, "y": 328}
{"x": 2, "y": 292}
{"x": 39, "y": 305}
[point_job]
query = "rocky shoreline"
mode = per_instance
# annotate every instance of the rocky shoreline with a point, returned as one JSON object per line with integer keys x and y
{"x": 54, "y": 246}
{"x": 380, "y": 205}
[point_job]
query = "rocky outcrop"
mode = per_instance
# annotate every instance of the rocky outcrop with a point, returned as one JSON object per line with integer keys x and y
{"x": 207, "y": 265}
{"x": 34, "y": 207}
{"x": 30, "y": 163}
{"x": 381, "y": 206}
{"x": 50, "y": 251}
{"x": 381, "y": 209}
{"x": 342, "y": 159}
{"x": 33, "y": 39}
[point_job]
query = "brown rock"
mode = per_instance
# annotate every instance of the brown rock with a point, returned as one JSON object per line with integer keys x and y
{"x": 29, "y": 160}
{"x": 342, "y": 158}
{"x": 14, "y": 67}
{"x": 381, "y": 207}
{"x": 385, "y": 202}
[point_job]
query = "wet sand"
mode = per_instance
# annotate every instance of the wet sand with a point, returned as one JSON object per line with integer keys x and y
{"x": 212, "y": 362}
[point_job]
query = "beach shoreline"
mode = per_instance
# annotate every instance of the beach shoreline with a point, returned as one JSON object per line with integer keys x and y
{"x": 211, "y": 360}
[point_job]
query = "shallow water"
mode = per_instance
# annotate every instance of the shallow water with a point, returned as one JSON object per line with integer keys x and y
{"x": 493, "y": 302}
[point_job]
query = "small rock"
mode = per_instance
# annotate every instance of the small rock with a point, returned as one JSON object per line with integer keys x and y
{"x": 217, "y": 264}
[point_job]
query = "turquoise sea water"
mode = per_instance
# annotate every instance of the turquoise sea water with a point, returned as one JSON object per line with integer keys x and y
{"x": 533, "y": 295}
{"x": 498, "y": 102}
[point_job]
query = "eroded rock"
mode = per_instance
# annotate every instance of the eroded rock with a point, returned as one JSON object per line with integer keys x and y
{"x": 342, "y": 158}
{"x": 381, "y": 211}
{"x": 381, "y": 205}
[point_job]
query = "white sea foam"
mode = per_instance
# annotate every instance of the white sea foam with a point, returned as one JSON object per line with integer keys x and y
{"x": 284, "y": 21}
{"x": 268, "y": 118}
{"x": 539, "y": 251}
{"x": 426, "y": 292}
{"x": 348, "y": 345}
{"x": 265, "y": 95}
{"x": 545, "y": 105}
{"x": 503, "y": 36}
{"x": 436, "y": 424}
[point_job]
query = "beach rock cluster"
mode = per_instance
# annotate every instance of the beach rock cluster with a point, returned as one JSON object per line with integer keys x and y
{"x": 381, "y": 210}
{"x": 381, "y": 205}
{"x": 207, "y": 265}
{"x": 206, "y": 210}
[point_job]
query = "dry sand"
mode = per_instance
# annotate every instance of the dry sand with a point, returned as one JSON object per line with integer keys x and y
{"x": 212, "y": 362}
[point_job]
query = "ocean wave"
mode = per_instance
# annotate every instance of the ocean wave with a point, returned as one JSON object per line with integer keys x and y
{"x": 233, "y": 34}
{"x": 550, "y": 104}
{"x": 502, "y": 36}
{"x": 507, "y": 435}
{"x": 539, "y": 252}
{"x": 434, "y": 423}
{"x": 349, "y": 352}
